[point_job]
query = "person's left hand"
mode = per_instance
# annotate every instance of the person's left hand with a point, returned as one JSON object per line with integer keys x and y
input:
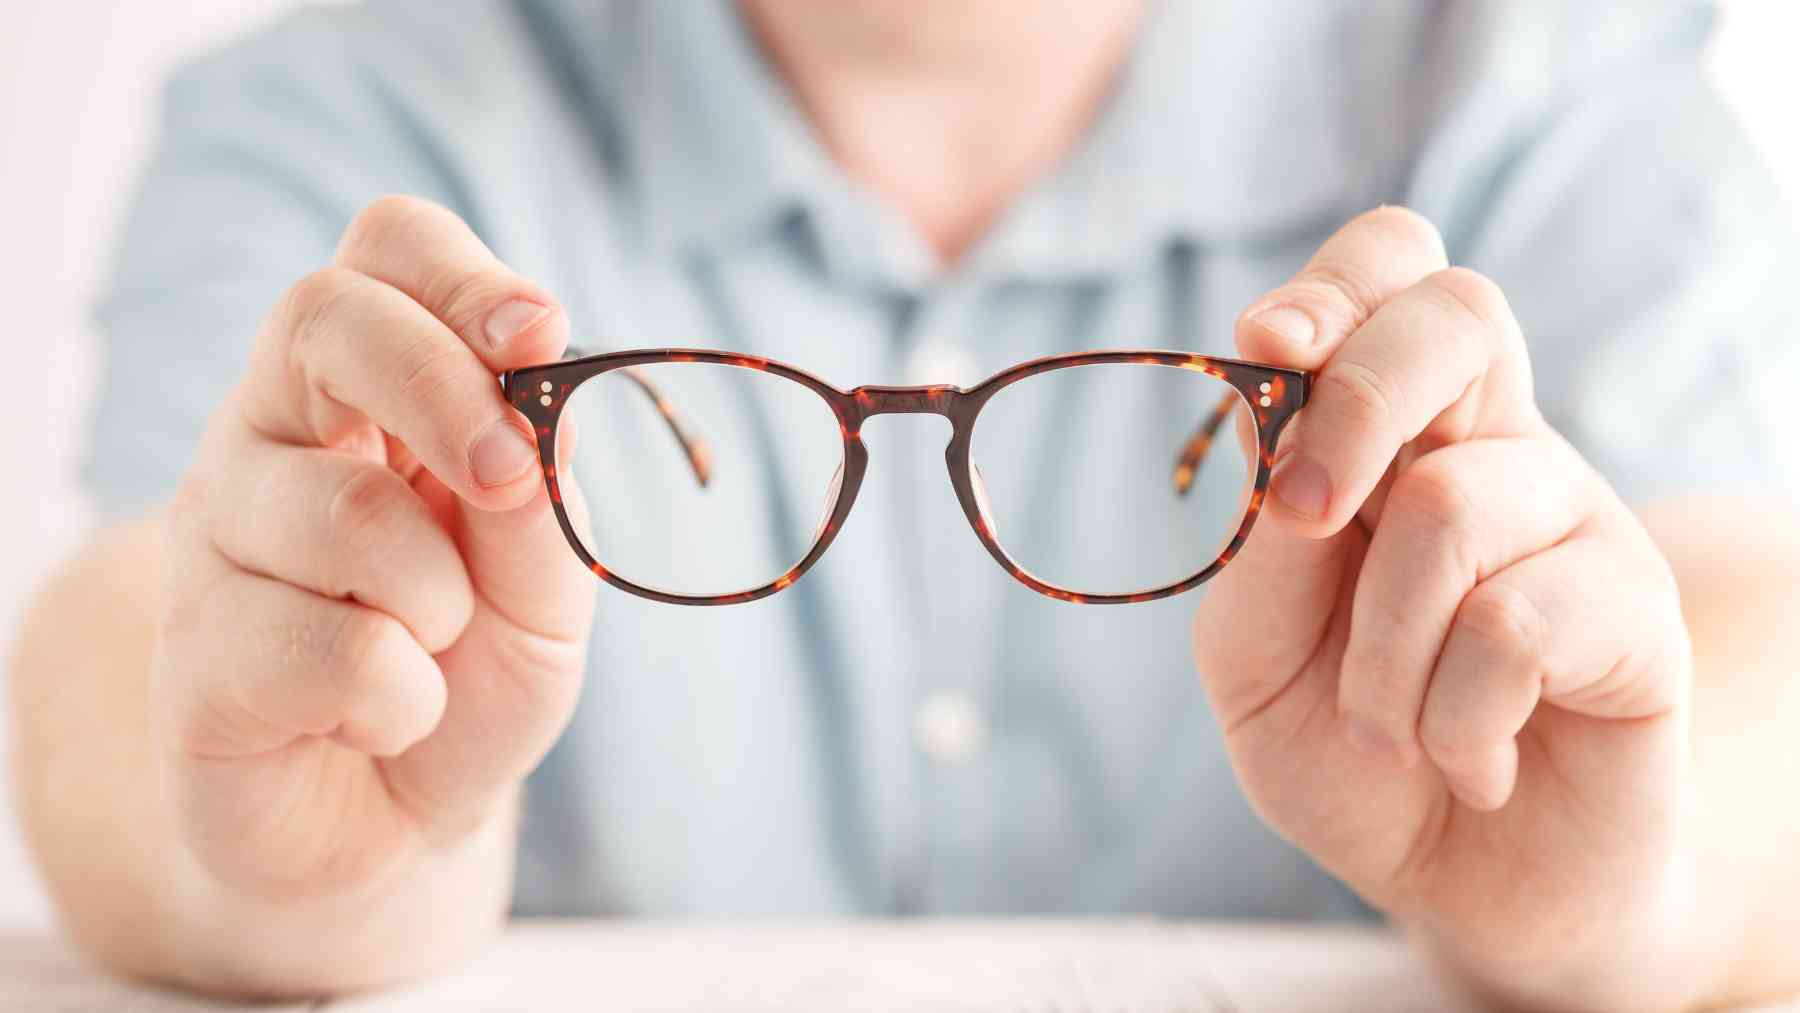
{"x": 1450, "y": 664}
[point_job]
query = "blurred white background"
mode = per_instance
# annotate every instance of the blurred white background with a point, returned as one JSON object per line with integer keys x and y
{"x": 78, "y": 86}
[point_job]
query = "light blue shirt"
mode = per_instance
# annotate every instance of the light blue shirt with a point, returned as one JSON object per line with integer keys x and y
{"x": 907, "y": 729}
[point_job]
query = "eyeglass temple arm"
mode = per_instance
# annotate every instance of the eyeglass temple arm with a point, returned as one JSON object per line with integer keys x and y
{"x": 693, "y": 445}
{"x": 698, "y": 451}
{"x": 1193, "y": 452}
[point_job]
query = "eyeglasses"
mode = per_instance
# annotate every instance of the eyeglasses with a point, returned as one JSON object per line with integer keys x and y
{"x": 713, "y": 478}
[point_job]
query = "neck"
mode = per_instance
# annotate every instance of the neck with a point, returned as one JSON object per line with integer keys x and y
{"x": 945, "y": 108}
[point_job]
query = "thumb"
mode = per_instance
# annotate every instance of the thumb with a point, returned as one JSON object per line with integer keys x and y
{"x": 1265, "y": 615}
{"x": 512, "y": 679}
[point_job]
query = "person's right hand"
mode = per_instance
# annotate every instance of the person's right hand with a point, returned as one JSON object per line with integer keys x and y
{"x": 374, "y": 626}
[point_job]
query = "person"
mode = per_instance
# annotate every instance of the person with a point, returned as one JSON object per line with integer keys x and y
{"x": 1506, "y": 659}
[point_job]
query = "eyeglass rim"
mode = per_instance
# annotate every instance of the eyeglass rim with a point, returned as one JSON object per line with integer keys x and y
{"x": 1271, "y": 409}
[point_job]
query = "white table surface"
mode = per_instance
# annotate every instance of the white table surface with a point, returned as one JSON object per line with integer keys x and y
{"x": 920, "y": 967}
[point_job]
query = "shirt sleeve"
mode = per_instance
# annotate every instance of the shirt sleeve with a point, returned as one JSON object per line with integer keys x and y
{"x": 266, "y": 150}
{"x": 1640, "y": 240}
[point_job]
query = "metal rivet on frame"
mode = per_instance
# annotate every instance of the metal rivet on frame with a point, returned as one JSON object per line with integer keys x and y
{"x": 1264, "y": 401}
{"x": 545, "y": 400}
{"x": 1266, "y": 387}
{"x": 545, "y": 386}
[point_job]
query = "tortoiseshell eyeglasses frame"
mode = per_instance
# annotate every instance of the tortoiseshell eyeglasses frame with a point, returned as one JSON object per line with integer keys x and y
{"x": 1272, "y": 394}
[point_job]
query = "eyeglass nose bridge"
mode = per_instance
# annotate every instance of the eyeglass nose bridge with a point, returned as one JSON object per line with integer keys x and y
{"x": 931, "y": 399}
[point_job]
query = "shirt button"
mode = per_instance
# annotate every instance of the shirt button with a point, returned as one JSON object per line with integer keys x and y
{"x": 949, "y": 727}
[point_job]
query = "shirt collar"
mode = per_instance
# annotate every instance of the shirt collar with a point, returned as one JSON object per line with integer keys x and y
{"x": 1227, "y": 125}
{"x": 1222, "y": 129}
{"x": 713, "y": 149}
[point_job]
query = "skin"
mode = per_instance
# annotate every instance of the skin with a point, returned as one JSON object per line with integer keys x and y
{"x": 946, "y": 110}
{"x": 1532, "y": 728}
{"x": 1457, "y": 670}
{"x": 358, "y": 628}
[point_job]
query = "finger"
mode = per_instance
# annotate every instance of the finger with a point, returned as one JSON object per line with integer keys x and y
{"x": 345, "y": 528}
{"x": 1262, "y": 615}
{"x": 1375, "y": 257}
{"x": 1453, "y": 518}
{"x": 514, "y": 676}
{"x": 344, "y": 349}
{"x": 1549, "y": 626}
{"x": 267, "y": 663}
{"x": 1445, "y": 355}
{"x": 428, "y": 252}
{"x": 520, "y": 560}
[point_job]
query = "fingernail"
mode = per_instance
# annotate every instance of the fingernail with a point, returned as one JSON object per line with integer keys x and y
{"x": 1302, "y": 486}
{"x": 513, "y": 319}
{"x": 501, "y": 455}
{"x": 1296, "y": 326}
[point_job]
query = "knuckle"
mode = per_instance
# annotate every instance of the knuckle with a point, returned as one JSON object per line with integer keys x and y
{"x": 1645, "y": 679}
{"x": 1339, "y": 287}
{"x": 1471, "y": 294}
{"x": 462, "y": 300}
{"x": 367, "y": 512}
{"x": 425, "y": 368}
{"x": 1431, "y": 499}
{"x": 187, "y": 662}
{"x": 1435, "y": 491}
{"x": 1445, "y": 738}
{"x": 381, "y": 220}
{"x": 1350, "y": 291}
{"x": 1406, "y": 228}
{"x": 358, "y": 652}
{"x": 1452, "y": 741}
{"x": 1363, "y": 395}
{"x": 1378, "y": 689}
{"x": 206, "y": 503}
{"x": 1503, "y": 619}
{"x": 1442, "y": 737}
{"x": 308, "y": 313}
{"x": 1656, "y": 667}
{"x": 428, "y": 373}
{"x": 312, "y": 301}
